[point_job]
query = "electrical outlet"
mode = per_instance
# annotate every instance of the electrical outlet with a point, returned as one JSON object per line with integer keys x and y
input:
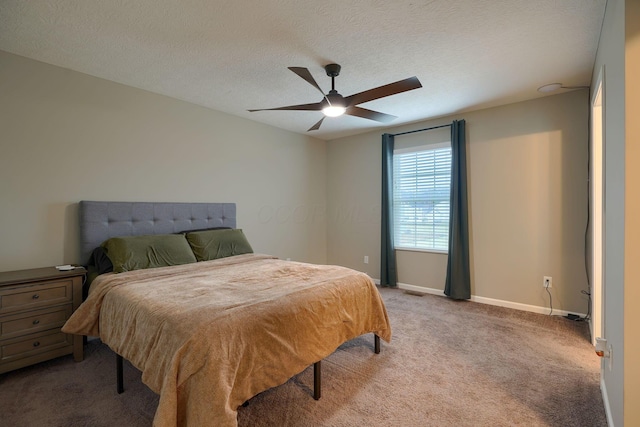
{"x": 366, "y": 259}
{"x": 546, "y": 281}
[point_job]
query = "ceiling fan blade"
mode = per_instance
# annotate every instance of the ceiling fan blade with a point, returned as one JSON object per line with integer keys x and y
{"x": 382, "y": 91}
{"x": 306, "y": 74}
{"x": 316, "y": 106}
{"x": 369, "y": 114}
{"x": 317, "y": 125}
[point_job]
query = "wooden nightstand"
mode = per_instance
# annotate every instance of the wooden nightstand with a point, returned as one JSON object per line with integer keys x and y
{"x": 34, "y": 304}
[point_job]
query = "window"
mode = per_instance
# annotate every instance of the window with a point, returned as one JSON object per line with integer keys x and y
{"x": 421, "y": 191}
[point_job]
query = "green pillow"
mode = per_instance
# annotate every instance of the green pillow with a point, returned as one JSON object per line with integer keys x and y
{"x": 214, "y": 244}
{"x": 149, "y": 251}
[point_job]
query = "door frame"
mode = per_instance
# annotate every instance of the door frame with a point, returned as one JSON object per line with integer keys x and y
{"x": 597, "y": 189}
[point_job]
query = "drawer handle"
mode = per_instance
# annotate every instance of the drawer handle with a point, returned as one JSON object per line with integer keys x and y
{"x": 35, "y": 322}
{"x": 36, "y": 296}
{"x": 37, "y": 343}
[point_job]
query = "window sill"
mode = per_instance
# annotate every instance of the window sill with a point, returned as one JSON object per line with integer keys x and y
{"x": 432, "y": 251}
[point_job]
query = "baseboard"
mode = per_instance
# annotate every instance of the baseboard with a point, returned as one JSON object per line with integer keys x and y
{"x": 605, "y": 399}
{"x": 420, "y": 289}
{"x": 489, "y": 301}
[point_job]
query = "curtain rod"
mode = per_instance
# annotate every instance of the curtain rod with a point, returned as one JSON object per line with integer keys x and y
{"x": 421, "y": 130}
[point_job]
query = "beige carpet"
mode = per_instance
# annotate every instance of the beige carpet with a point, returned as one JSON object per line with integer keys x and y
{"x": 449, "y": 364}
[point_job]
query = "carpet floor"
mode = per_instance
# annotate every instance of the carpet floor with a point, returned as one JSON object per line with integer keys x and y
{"x": 450, "y": 363}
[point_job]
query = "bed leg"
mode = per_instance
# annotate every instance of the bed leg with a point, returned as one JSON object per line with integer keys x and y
{"x": 317, "y": 380}
{"x": 376, "y": 343}
{"x": 120, "y": 379}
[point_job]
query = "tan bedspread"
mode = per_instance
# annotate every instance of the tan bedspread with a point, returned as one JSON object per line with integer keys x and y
{"x": 208, "y": 336}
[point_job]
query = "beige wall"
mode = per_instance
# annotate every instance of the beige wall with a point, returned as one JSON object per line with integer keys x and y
{"x": 527, "y": 192}
{"x": 632, "y": 215}
{"x": 66, "y": 137}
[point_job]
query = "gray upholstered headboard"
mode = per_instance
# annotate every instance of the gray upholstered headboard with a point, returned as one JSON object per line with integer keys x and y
{"x": 102, "y": 220}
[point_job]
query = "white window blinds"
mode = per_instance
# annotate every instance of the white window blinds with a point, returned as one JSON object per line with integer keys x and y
{"x": 421, "y": 191}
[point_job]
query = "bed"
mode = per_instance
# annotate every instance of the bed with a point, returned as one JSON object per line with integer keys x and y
{"x": 210, "y": 333}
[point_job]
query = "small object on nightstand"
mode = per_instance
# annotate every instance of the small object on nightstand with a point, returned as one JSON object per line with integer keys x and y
{"x": 65, "y": 267}
{"x": 34, "y": 304}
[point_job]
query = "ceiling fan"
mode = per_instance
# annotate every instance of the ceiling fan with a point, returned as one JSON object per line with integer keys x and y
{"x": 333, "y": 104}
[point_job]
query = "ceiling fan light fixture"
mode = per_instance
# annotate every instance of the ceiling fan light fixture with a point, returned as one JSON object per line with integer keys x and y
{"x": 333, "y": 110}
{"x": 335, "y": 104}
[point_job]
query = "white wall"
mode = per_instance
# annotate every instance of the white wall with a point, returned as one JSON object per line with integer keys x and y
{"x": 67, "y": 136}
{"x": 528, "y": 203}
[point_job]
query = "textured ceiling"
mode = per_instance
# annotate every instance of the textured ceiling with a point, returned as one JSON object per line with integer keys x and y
{"x": 232, "y": 55}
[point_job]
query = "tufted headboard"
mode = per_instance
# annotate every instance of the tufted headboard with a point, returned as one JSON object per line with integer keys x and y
{"x": 102, "y": 220}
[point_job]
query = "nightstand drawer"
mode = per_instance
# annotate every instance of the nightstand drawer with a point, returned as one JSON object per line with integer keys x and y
{"x": 33, "y": 344}
{"x": 36, "y": 295}
{"x": 34, "y": 321}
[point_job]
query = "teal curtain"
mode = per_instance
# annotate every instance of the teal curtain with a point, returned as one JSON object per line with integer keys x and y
{"x": 458, "y": 282}
{"x": 388, "y": 274}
